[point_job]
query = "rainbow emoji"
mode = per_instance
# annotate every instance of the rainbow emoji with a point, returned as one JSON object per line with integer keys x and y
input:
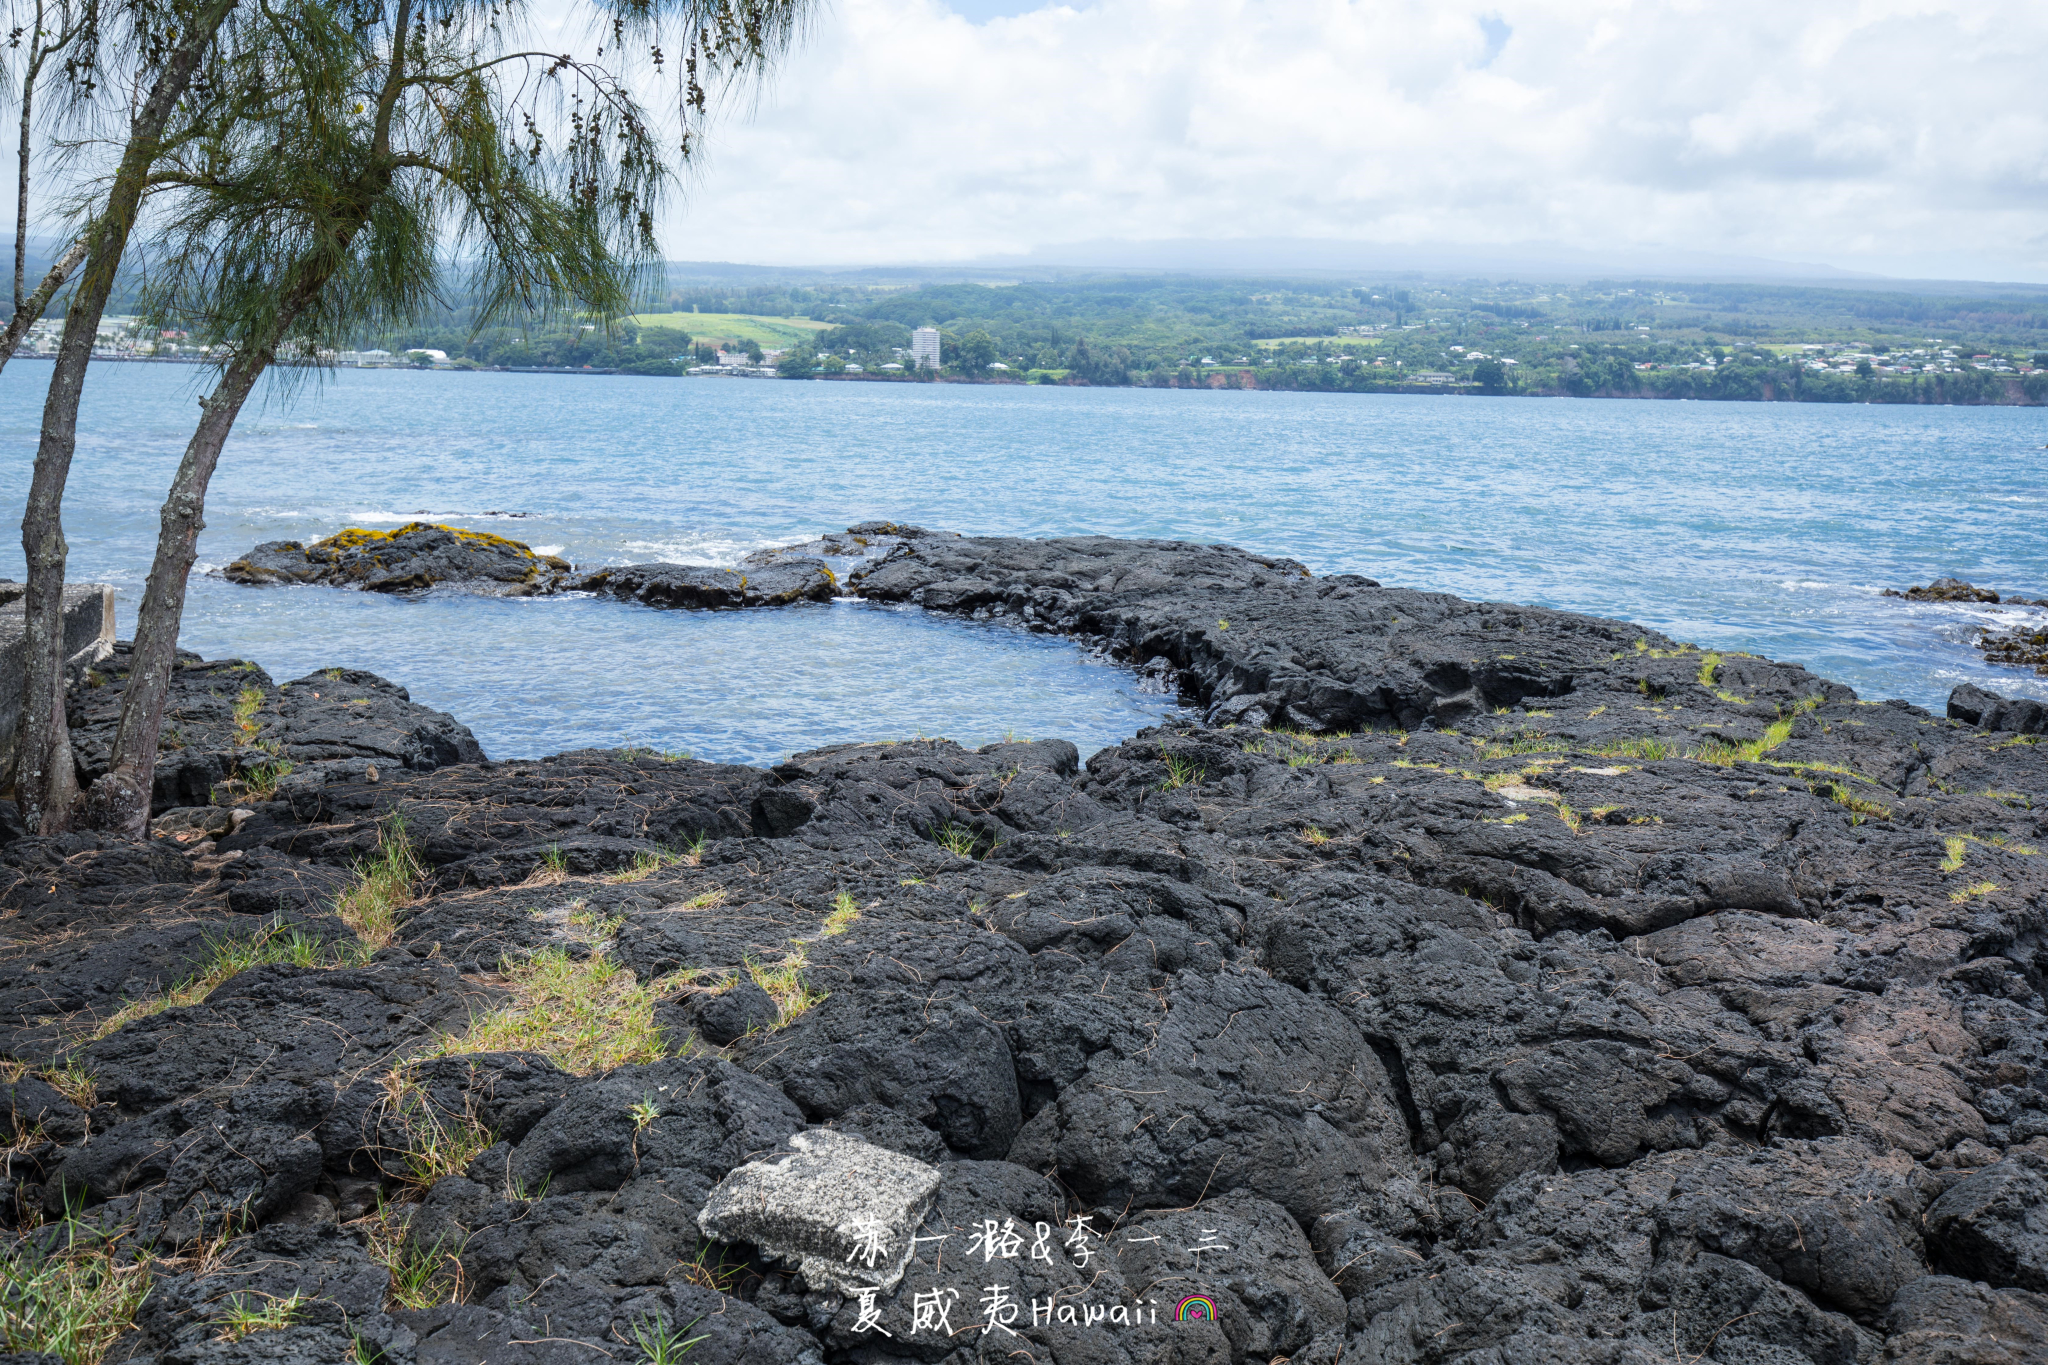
{"x": 1195, "y": 1308}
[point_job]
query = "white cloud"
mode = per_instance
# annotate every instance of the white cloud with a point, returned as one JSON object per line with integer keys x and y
{"x": 1882, "y": 134}
{"x": 1903, "y": 136}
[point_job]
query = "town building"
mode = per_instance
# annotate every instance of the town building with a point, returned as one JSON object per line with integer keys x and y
{"x": 924, "y": 348}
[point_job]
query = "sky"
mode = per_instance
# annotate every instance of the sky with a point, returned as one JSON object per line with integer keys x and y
{"x": 1889, "y": 137}
{"x": 1899, "y": 137}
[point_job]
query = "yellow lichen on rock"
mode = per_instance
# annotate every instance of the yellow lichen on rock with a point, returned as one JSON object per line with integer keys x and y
{"x": 355, "y": 537}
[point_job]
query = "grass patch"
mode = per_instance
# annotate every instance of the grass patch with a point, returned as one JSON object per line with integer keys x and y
{"x": 421, "y": 1277}
{"x": 661, "y": 1343}
{"x": 436, "y": 1145}
{"x": 1775, "y": 734}
{"x": 645, "y": 865}
{"x": 1859, "y": 808}
{"x": 774, "y": 333}
{"x": 227, "y": 957}
{"x": 785, "y": 984}
{"x": 1710, "y": 666}
{"x": 262, "y": 779}
{"x": 585, "y": 1014}
{"x": 552, "y": 868}
{"x": 1314, "y": 836}
{"x": 1649, "y": 749}
{"x": 1972, "y": 891}
{"x": 71, "y": 1303}
{"x": 247, "y": 703}
{"x": 633, "y": 751}
{"x": 1181, "y": 773}
{"x": 1528, "y": 742}
{"x": 384, "y": 884}
{"x": 955, "y": 839}
{"x": 1954, "y": 861}
{"x": 844, "y": 913}
{"x": 74, "y": 1083}
{"x": 247, "y": 1314}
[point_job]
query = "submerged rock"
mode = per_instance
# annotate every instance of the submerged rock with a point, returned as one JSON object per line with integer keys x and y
{"x": 412, "y": 558}
{"x": 1471, "y": 983}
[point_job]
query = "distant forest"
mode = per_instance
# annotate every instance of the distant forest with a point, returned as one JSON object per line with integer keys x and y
{"x": 1636, "y": 338}
{"x": 1607, "y": 338}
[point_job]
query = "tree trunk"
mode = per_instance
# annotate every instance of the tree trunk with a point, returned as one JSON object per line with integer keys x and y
{"x": 32, "y": 308}
{"x": 28, "y": 99}
{"x": 46, "y": 777}
{"x": 119, "y": 801}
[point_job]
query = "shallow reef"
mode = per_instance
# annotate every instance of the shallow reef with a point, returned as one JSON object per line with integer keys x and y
{"x": 1471, "y": 982}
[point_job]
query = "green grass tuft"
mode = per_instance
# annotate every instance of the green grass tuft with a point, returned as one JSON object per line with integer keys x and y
{"x": 229, "y": 957}
{"x": 436, "y": 1145}
{"x": 247, "y": 703}
{"x": 246, "y": 1314}
{"x": 71, "y": 1302}
{"x": 385, "y": 883}
{"x": 784, "y": 981}
{"x": 844, "y": 913}
{"x": 955, "y": 839}
{"x": 1649, "y": 749}
{"x": 645, "y": 865}
{"x": 585, "y": 1014}
{"x": 661, "y": 1344}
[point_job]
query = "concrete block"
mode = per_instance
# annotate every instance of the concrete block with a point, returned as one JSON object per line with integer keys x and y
{"x": 88, "y": 638}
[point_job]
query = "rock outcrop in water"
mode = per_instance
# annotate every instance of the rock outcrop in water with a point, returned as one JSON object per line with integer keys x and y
{"x": 1956, "y": 590}
{"x": 702, "y": 587}
{"x": 1472, "y": 983}
{"x": 417, "y": 556}
{"x": 2023, "y": 646}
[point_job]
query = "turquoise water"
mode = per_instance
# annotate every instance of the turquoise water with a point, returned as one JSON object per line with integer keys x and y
{"x": 1764, "y": 527}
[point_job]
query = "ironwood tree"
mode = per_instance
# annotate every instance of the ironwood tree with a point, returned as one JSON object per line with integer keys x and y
{"x": 358, "y": 164}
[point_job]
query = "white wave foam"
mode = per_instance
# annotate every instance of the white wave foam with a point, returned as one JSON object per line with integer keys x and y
{"x": 716, "y": 551}
{"x": 547, "y": 549}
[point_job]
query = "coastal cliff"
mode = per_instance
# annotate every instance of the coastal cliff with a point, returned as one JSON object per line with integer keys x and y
{"x": 1467, "y": 982}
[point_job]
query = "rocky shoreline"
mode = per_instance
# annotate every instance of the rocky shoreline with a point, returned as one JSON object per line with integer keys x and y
{"x": 1473, "y": 982}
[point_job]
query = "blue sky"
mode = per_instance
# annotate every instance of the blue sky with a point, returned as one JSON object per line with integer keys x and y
{"x": 978, "y": 11}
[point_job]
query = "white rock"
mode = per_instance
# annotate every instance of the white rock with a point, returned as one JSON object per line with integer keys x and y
{"x": 842, "y": 1210}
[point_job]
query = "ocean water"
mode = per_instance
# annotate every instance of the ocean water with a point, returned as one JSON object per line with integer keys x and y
{"x": 1763, "y": 527}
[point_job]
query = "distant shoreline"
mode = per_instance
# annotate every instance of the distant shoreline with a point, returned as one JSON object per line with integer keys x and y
{"x": 1219, "y": 378}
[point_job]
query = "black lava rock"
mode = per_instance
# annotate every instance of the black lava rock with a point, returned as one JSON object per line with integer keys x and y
{"x": 1470, "y": 983}
{"x": 417, "y": 556}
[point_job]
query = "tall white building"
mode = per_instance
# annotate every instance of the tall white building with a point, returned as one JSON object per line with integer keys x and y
{"x": 924, "y": 348}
